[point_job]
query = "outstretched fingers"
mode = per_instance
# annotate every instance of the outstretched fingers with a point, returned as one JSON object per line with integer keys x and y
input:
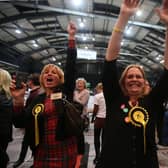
{"x": 71, "y": 28}
{"x": 132, "y": 3}
{"x": 163, "y": 12}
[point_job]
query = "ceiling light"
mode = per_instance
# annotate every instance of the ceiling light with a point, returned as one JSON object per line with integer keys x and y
{"x": 139, "y": 13}
{"x": 158, "y": 58}
{"x": 84, "y": 38}
{"x": 128, "y": 31}
{"x": 35, "y": 45}
{"x": 77, "y": 2}
{"x": 162, "y": 61}
{"x": 53, "y": 58}
{"x": 81, "y": 24}
{"x": 18, "y": 31}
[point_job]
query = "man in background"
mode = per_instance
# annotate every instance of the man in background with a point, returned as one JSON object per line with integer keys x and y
{"x": 34, "y": 86}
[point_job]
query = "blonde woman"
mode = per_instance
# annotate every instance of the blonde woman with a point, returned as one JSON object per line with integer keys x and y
{"x": 81, "y": 94}
{"x": 129, "y": 132}
{"x": 53, "y": 147}
{"x": 99, "y": 113}
{"x": 5, "y": 116}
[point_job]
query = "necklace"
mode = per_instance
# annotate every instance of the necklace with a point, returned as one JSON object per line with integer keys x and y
{"x": 133, "y": 103}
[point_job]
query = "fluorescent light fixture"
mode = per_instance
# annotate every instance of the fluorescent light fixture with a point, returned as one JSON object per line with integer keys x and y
{"x": 53, "y": 58}
{"x": 139, "y": 13}
{"x": 18, "y": 31}
{"x": 128, "y": 31}
{"x": 81, "y": 24}
{"x": 35, "y": 45}
{"x": 84, "y": 38}
{"x": 162, "y": 61}
{"x": 77, "y": 2}
{"x": 86, "y": 54}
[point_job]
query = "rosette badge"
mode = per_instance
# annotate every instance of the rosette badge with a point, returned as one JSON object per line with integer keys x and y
{"x": 38, "y": 108}
{"x": 139, "y": 117}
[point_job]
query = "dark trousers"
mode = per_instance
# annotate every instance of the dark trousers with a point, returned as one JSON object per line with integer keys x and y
{"x": 4, "y": 158}
{"x": 24, "y": 148}
{"x": 98, "y": 135}
{"x": 160, "y": 121}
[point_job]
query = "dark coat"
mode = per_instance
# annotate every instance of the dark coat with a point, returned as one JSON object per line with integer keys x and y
{"x": 67, "y": 89}
{"x": 126, "y": 144}
{"x": 5, "y": 117}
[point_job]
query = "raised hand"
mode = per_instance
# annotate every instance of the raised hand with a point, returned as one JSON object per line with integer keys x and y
{"x": 17, "y": 94}
{"x": 129, "y": 7}
{"x": 163, "y": 12}
{"x": 71, "y": 29}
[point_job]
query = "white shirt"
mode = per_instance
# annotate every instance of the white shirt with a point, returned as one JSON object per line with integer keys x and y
{"x": 82, "y": 97}
{"x": 100, "y": 102}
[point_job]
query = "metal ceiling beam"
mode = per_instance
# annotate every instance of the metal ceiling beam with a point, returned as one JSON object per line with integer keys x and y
{"x": 22, "y": 40}
{"x": 85, "y": 14}
{"x": 97, "y": 34}
{"x": 9, "y": 64}
{"x": 33, "y": 15}
{"x": 65, "y": 34}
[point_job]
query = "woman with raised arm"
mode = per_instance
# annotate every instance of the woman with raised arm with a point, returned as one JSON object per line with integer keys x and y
{"x": 129, "y": 136}
{"x": 54, "y": 147}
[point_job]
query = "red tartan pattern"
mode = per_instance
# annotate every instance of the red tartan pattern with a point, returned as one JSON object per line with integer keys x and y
{"x": 71, "y": 44}
{"x": 52, "y": 153}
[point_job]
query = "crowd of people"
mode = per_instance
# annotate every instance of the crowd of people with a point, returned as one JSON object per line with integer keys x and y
{"x": 124, "y": 112}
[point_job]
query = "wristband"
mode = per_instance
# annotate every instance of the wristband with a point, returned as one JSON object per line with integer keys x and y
{"x": 115, "y": 29}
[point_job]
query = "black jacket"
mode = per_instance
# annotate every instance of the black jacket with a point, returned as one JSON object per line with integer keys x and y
{"x": 67, "y": 88}
{"x": 5, "y": 117}
{"x": 129, "y": 144}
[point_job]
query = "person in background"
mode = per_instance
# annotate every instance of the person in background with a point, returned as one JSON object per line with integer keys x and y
{"x": 6, "y": 109}
{"x": 160, "y": 123}
{"x": 81, "y": 95}
{"x": 129, "y": 132}
{"x": 159, "y": 117}
{"x": 164, "y": 139}
{"x": 99, "y": 115}
{"x": 33, "y": 84}
{"x": 147, "y": 87}
{"x": 53, "y": 148}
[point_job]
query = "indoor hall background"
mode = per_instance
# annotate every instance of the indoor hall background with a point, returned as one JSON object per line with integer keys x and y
{"x": 36, "y": 31}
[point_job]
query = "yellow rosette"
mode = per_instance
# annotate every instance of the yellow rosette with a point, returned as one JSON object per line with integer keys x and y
{"x": 139, "y": 117}
{"x": 38, "y": 108}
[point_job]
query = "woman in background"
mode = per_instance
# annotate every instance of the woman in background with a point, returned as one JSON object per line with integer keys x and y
{"x": 99, "y": 113}
{"x": 5, "y": 116}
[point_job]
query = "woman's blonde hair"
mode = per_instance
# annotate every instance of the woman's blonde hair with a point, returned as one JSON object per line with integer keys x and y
{"x": 124, "y": 73}
{"x": 5, "y": 82}
{"x": 83, "y": 80}
{"x": 99, "y": 86}
{"x": 60, "y": 73}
